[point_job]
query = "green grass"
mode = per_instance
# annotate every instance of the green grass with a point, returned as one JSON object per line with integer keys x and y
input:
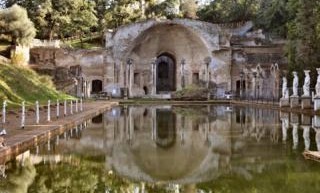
{"x": 18, "y": 83}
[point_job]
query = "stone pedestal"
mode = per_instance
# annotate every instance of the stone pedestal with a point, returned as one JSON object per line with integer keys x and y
{"x": 284, "y": 102}
{"x": 316, "y": 103}
{"x": 294, "y": 101}
{"x": 306, "y": 102}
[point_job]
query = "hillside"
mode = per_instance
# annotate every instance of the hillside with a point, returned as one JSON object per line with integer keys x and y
{"x": 19, "y": 84}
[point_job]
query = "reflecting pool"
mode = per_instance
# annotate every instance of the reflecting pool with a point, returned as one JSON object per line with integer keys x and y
{"x": 174, "y": 148}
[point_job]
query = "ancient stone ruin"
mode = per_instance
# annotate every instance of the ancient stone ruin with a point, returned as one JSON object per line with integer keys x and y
{"x": 155, "y": 58}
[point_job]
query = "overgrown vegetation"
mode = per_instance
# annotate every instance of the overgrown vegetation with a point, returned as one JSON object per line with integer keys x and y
{"x": 18, "y": 83}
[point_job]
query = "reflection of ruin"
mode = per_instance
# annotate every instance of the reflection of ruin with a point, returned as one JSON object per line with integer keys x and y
{"x": 177, "y": 147}
{"x": 145, "y": 147}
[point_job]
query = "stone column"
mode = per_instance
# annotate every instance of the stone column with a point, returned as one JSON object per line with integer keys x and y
{"x": 182, "y": 71}
{"x": 154, "y": 76}
{"x": 254, "y": 84}
{"x": 88, "y": 89}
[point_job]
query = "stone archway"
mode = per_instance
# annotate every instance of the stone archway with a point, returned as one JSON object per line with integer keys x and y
{"x": 166, "y": 70}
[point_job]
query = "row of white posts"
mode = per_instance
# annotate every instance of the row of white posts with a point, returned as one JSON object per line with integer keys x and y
{"x": 23, "y": 112}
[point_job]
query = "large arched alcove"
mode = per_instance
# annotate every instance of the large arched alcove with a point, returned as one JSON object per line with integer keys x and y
{"x": 169, "y": 43}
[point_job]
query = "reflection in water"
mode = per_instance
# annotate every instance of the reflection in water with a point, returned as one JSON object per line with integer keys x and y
{"x": 142, "y": 149}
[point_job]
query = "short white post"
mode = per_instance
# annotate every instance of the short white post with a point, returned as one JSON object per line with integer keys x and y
{"x": 58, "y": 109}
{"x": 49, "y": 111}
{"x": 23, "y": 115}
{"x": 71, "y": 107}
{"x": 76, "y": 105}
{"x": 81, "y": 104}
{"x": 37, "y": 113}
{"x": 4, "y": 112}
{"x": 65, "y": 108}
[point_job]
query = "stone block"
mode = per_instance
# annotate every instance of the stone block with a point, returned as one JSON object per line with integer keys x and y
{"x": 284, "y": 102}
{"x": 306, "y": 102}
{"x": 294, "y": 102}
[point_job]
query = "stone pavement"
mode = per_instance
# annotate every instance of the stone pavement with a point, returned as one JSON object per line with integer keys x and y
{"x": 18, "y": 140}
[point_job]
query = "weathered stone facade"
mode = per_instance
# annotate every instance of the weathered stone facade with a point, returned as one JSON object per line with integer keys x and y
{"x": 154, "y": 58}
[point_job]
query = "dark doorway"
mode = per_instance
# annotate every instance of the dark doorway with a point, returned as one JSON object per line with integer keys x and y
{"x": 96, "y": 86}
{"x": 166, "y": 69}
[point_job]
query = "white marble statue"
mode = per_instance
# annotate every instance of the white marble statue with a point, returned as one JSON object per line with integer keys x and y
{"x": 295, "y": 84}
{"x": 285, "y": 93}
{"x": 318, "y": 84}
{"x": 306, "y": 85}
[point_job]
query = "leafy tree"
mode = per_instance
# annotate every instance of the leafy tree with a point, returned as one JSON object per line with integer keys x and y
{"x": 303, "y": 39}
{"x": 60, "y": 17}
{"x": 14, "y": 22}
{"x": 221, "y": 11}
{"x": 273, "y": 17}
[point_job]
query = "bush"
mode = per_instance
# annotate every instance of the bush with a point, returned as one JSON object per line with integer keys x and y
{"x": 191, "y": 93}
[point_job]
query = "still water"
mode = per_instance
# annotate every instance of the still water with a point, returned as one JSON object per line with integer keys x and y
{"x": 192, "y": 149}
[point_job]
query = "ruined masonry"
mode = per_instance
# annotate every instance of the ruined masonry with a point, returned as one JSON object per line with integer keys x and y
{"x": 155, "y": 58}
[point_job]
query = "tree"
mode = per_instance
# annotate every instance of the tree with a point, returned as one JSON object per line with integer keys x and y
{"x": 14, "y": 22}
{"x": 273, "y": 17}
{"x": 222, "y": 11}
{"x": 303, "y": 43}
{"x": 81, "y": 19}
{"x": 55, "y": 18}
{"x": 189, "y": 9}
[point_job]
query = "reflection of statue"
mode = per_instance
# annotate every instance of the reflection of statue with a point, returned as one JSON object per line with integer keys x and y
{"x": 306, "y": 85}
{"x": 285, "y": 126}
{"x": 295, "y": 136}
{"x": 318, "y": 83}
{"x": 317, "y": 138}
{"x": 285, "y": 93}
{"x": 306, "y": 137}
{"x": 295, "y": 84}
